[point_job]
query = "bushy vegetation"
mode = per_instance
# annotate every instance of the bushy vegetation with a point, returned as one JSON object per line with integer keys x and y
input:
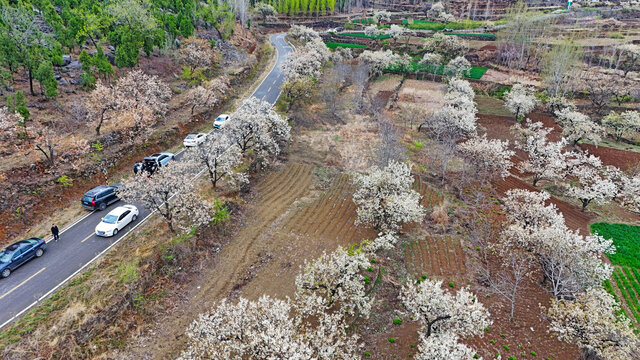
{"x": 436, "y": 26}
{"x": 363, "y": 35}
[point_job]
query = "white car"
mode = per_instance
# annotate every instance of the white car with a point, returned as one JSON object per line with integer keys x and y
{"x": 116, "y": 220}
{"x": 220, "y": 121}
{"x": 194, "y": 139}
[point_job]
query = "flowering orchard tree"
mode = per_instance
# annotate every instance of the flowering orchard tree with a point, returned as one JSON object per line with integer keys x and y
{"x": 302, "y": 33}
{"x": 395, "y": 32}
{"x": 170, "y": 192}
{"x": 265, "y": 11}
{"x": 489, "y": 157}
{"x": 621, "y": 124}
{"x": 257, "y": 126}
{"x": 591, "y": 321}
{"x": 384, "y": 241}
{"x": 210, "y": 94}
{"x": 570, "y": 262}
{"x": 136, "y": 99}
{"x": 577, "y": 126}
{"x": 385, "y": 199}
{"x": 459, "y": 66}
{"x": 381, "y": 15}
{"x": 449, "y": 46}
{"x": 546, "y": 160}
{"x": 380, "y": 60}
{"x": 197, "y": 53}
{"x": 220, "y": 156}
{"x": 440, "y": 312}
{"x": 630, "y": 192}
{"x": 432, "y": 59}
{"x": 334, "y": 282}
{"x": 267, "y": 329}
{"x": 372, "y": 31}
{"x": 443, "y": 346}
{"x": 591, "y": 183}
{"x": 53, "y": 146}
{"x": 444, "y": 319}
{"x": 520, "y": 100}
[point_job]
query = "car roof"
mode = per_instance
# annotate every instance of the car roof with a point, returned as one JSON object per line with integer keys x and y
{"x": 17, "y": 244}
{"x": 118, "y": 211}
{"x": 97, "y": 189}
{"x": 222, "y": 115}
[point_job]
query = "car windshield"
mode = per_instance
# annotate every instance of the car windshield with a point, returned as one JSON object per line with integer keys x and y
{"x": 5, "y": 256}
{"x": 192, "y": 136}
{"x": 221, "y": 118}
{"x": 110, "y": 219}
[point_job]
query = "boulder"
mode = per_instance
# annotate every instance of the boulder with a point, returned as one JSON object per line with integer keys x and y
{"x": 111, "y": 57}
{"x": 74, "y": 65}
{"x": 66, "y": 60}
{"x": 63, "y": 82}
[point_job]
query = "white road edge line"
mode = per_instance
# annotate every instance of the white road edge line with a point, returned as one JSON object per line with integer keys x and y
{"x": 130, "y": 230}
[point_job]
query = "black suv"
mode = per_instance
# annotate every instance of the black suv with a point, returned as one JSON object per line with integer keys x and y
{"x": 99, "y": 197}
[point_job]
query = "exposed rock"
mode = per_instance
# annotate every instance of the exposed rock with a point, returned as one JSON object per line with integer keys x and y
{"x": 63, "y": 82}
{"x": 66, "y": 60}
{"x": 74, "y": 65}
{"x": 111, "y": 57}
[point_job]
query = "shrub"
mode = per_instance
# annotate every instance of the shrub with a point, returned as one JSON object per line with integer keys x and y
{"x": 502, "y": 336}
{"x": 533, "y": 353}
{"x": 511, "y": 357}
{"x": 65, "y": 181}
{"x": 392, "y": 340}
{"x": 367, "y": 280}
{"x": 506, "y": 347}
{"x": 367, "y": 354}
{"x": 333, "y": 45}
{"x": 451, "y": 284}
{"x": 397, "y": 321}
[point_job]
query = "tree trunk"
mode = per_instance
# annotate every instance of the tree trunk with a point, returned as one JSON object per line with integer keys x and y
{"x": 100, "y": 123}
{"x": 31, "y": 82}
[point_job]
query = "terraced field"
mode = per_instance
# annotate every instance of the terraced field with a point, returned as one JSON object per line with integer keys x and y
{"x": 440, "y": 256}
{"x": 430, "y": 197}
{"x": 330, "y": 217}
{"x": 627, "y": 281}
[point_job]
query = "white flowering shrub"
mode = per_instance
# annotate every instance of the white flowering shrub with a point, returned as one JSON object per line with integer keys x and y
{"x": 380, "y": 60}
{"x": 385, "y": 199}
{"x": 621, "y": 124}
{"x": 302, "y": 33}
{"x": 520, "y": 100}
{"x": 591, "y": 183}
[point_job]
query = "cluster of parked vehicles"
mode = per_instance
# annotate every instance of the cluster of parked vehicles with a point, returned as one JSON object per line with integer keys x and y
{"x": 98, "y": 198}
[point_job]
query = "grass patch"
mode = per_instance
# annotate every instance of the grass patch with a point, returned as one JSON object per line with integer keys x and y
{"x": 476, "y": 72}
{"x": 484, "y": 36}
{"x": 626, "y": 238}
{"x": 333, "y": 45}
{"x": 364, "y": 21}
{"x": 491, "y": 106}
{"x": 436, "y": 26}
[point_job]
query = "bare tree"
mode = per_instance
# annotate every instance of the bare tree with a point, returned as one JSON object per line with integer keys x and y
{"x": 389, "y": 149}
{"x": 511, "y": 280}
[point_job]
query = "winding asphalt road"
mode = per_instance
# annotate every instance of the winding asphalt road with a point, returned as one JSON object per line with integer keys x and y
{"x": 79, "y": 246}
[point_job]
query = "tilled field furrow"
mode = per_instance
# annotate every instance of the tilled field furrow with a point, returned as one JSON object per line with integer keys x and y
{"x": 275, "y": 179}
{"x": 432, "y": 249}
{"x": 320, "y": 207}
{"x": 327, "y": 213}
{"x": 334, "y": 216}
{"x": 342, "y": 219}
{"x": 343, "y": 229}
{"x": 281, "y": 190}
{"x": 295, "y": 189}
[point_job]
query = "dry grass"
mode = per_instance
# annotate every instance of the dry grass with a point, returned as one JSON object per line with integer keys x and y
{"x": 428, "y": 95}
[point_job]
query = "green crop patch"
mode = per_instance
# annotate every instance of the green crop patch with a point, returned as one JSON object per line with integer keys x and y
{"x": 363, "y": 35}
{"x": 476, "y": 72}
{"x": 333, "y": 45}
{"x": 626, "y": 239}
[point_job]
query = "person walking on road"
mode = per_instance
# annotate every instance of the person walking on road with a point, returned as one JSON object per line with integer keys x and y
{"x": 55, "y": 232}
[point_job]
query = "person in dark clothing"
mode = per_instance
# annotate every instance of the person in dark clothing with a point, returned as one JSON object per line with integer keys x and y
{"x": 55, "y": 232}
{"x": 136, "y": 168}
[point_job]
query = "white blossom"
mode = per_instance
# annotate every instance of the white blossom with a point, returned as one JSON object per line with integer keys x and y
{"x": 577, "y": 126}
{"x": 443, "y": 346}
{"x": 621, "y": 124}
{"x": 385, "y": 198}
{"x": 9, "y": 122}
{"x": 333, "y": 281}
{"x": 208, "y": 95}
{"x": 546, "y": 159}
{"x": 381, "y": 15}
{"x": 395, "y": 31}
{"x": 489, "y": 157}
{"x": 170, "y": 192}
{"x": 256, "y": 125}
{"x": 380, "y": 60}
{"x": 372, "y": 31}
{"x": 459, "y": 65}
{"x": 591, "y": 183}
{"x": 520, "y": 100}
{"x": 220, "y": 156}
{"x": 630, "y": 192}
{"x": 302, "y": 33}
{"x": 591, "y": 321}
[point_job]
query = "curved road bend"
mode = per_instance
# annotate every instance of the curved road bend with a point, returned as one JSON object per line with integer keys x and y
{"x": 79, "y": 246}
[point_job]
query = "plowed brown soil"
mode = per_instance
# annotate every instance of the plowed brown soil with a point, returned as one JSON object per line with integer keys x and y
{"x": 441, "y": 256}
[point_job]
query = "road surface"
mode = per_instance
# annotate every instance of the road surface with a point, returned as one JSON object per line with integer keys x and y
{"x": 79, "y": 246}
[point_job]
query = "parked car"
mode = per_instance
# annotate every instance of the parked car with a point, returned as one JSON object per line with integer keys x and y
{"x": 151, "y": 163}
{"x": 116, "y": 220}
{"x": 194, "y": 139}
{"x": 100, "y": 197}
{"x": 19, "y": 253}
{"x": 220, "y": 121}
{"x": 338, "y": 29}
